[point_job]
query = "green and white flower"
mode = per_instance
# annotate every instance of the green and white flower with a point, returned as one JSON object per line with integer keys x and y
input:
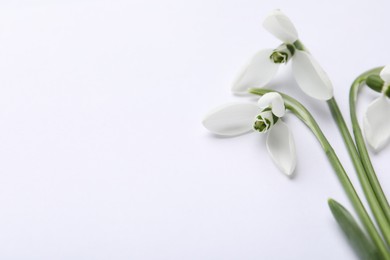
{"x": 264, "y": 117}
{"x": 376, "y": 120}
{"x": 309, "y": 75}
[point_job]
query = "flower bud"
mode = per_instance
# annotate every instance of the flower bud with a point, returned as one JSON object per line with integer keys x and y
{"x": 375, "y": 82}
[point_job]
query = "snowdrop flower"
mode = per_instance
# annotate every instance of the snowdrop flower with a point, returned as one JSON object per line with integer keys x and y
{"x": 309, "y": 75}
{"x": 264, "y": 117}
{"x": 376, "y": 121}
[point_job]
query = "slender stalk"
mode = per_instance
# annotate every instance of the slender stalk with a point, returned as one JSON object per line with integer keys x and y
{"x": 365, "y": 157}
{"x": 361, "y": 172}
{"x": 302, "y": 113}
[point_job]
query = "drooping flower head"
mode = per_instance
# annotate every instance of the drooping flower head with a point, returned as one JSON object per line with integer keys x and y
{"x": 264, "y": 117}
{"x": 376, "y": 120}
{"x": 263, "y": 66}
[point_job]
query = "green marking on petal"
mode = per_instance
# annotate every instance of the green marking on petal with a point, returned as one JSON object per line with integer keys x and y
{"x": 279, "y": 57}
{"x": 283, "y": 53}
{"x": 262, "y": 125}
{"x": 264, "y": 121}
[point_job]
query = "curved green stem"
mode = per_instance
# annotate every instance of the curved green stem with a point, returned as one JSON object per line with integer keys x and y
{"x": 361, "y": 171}
{"x": 365, "y": 157}
{"x": 302, "y": 113}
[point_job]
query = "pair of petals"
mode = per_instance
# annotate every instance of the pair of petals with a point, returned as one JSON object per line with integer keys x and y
{"x": 309, "y": 75}
{"x": 238, "y": 118}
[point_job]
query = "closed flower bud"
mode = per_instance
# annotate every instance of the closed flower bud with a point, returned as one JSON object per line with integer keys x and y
{"x": 375, "y": 82}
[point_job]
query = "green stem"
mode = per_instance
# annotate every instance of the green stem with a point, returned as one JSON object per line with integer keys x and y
{"x": 365, "y": 157}
{"x": 302, "y": 113}
{"x": 361, "y": 172}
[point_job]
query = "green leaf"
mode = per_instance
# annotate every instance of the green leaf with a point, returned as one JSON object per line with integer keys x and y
{"x": 362, "y": 245}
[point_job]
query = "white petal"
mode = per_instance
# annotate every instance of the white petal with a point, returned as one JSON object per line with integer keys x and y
{"x": 274, "y": 100}
{"x": 281, "y": 27}
{"x": 376, "y": 123}
{"x": 259, "y": 71}
{"x": 232, "y": 119}
{"x": 311, "y": 78}
{"x": 281, "y": 147}
{"x": 385, "y": 74}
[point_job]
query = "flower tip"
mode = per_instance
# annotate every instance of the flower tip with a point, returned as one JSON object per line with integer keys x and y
{"x": 328, "y": 95}
{"x": 289, "y": 169}
{"x": 376, "y": 147}
{"x": 278, "y": 24}
{"x": 289, "y": 172}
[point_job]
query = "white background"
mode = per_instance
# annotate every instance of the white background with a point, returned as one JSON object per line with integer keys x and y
{"x": 102, "y": 151}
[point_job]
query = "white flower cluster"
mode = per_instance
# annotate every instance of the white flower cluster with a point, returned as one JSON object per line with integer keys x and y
{"x": 239, "y": 118}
